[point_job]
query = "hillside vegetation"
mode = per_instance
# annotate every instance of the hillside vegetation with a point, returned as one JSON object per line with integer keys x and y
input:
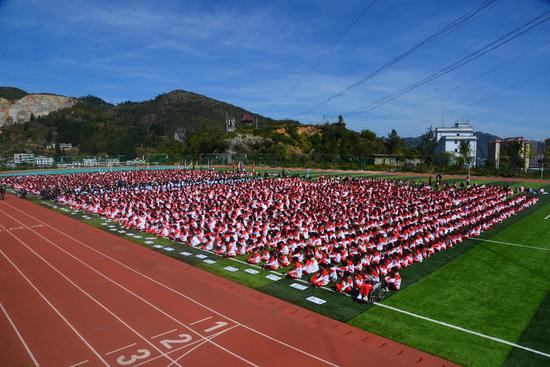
{"x": 185, "y": 123}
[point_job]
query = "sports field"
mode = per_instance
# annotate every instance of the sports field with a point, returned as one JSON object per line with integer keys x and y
{"x": 483, "y": 303}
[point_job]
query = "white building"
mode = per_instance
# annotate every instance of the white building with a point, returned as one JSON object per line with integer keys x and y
{"x": 19, "y": 158}
{"x": 449, "y": 138}
{"x": 43, "y": 161}
{"x": 89, "y": 162}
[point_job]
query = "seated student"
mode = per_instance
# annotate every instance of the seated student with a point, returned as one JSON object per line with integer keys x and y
{"x": 333, "y": 273}
{"x": 320, "y": 279}
{"x": 231, "y": 250}
{"x": 311, "y": 266}
{"x": 393, "y": 280}
{"x": 273, "y": 263}
{"x": 265, "y": 255}
{"x": 297, "y": 271}
{"x": 364, "y": 291}
{"x": 345, "y": 284}
{"x": 283, "y": 260}
{"x": 254, "y": 258}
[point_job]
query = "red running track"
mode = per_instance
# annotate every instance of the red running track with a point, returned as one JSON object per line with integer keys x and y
{"x": 74, "y": 295}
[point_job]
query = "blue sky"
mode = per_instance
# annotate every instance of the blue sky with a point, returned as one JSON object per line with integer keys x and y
{"x": 252, "y": 53}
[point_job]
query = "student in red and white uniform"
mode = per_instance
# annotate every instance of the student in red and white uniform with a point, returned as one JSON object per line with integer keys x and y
{"x": 297, "y": 271}
{"x": 345, "y": 284}
{"x": 311, "y": 266}
{"x": 254, "y": 258}
{"x": 273, "y": 263}
{"x": 321, "y": 278}
{"x": 393, "y": 280}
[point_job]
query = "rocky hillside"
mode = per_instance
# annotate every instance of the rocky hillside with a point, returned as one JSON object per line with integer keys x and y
{"x": 17, "y": 109}
{"x": 178, "y": 123}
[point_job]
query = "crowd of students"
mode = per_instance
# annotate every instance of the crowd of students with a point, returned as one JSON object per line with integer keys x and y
{"x": 53, "y": 185}
{"x": 353, "y": 232}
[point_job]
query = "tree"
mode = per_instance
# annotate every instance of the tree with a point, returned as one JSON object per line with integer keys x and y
{"x": 394, "y": 143}
{"x": 427, "y": 146}
{"x": 511, "y": 160}
{"x": 465, "y": 152}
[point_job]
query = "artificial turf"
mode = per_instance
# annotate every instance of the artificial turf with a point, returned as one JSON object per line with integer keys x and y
{"x": 495, "y": 289}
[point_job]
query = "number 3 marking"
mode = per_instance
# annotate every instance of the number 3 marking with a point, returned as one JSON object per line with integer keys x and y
{"x": 168, "y": 342}
{"x": 122, "y": 360}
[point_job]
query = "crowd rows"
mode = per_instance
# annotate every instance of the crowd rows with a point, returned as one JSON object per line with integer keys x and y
{"x": 53, "y": 185}
{"x": 356, "y": 233}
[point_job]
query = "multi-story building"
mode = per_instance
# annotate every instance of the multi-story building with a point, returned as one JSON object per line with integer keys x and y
{"x": 449, "y": 139}
{"x": 20, "y": 158}
{"x": 43, "y": 161}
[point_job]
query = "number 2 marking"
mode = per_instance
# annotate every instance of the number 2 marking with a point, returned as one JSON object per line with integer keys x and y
{"x": 218, "y": 325}
{"x": 168, "y": 342}
{"x": 143, "y": 353}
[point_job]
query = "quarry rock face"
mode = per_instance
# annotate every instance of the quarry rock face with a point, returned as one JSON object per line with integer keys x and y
{"x": 19, "y": 111}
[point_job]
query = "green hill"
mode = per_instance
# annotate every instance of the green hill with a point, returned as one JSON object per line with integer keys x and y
{"x": 184, "y": 123}
{"x": 12, "y": 93}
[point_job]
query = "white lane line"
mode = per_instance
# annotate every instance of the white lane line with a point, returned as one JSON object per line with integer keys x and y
{"x": 119, "y": 349}
{"x": 175, "y": 291}
{"x": 201, "y": 320}
{"x": 55, "y": 309}
{"x": 161, "y": 334}
{"x": 512, "y": 244}
{"x": 19, "y": 335}
{"x": 498, "y": 340}
{"x": 79, "y": 363}
{"x": 547, "y": 217}
{"x": 122, "y": 287}
{"x": 82, "y": 290}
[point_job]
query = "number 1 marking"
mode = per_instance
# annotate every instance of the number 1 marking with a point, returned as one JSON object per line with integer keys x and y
{"x": 218, "y": 325}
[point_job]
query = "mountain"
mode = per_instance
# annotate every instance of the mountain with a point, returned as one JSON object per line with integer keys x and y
{"x": 181, "y": 123}
{"x": 163, "y": 124}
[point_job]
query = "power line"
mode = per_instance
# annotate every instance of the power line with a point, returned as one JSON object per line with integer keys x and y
{"x": 449, "y": 28}
{"x": 323, "y": 55}
{"x": 484, "y": 74}
{"x": 513, "y": 86}
{"x": 504, "y": 39}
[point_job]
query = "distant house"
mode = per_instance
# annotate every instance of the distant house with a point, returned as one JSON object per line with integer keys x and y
{"x": 42, "y": 161}
{"x": 135, "y": 162}
{"x": 449, "y": 139}
{"x": 391, "y": 160}
{"x": 62, "y": 146}
{"x": 20, "y": 158}
{"x": 89, "y": 162}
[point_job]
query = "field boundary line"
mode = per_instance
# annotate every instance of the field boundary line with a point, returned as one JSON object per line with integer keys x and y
{"x": 174, "y": 290}
{"x": 101, "y": 305}
{"x": 55, "y": 309}
{"x": 464, "y": 330}
{"x": 511, "y": 244}
{"x": 19, "y": 335}
{"x": 127, "y": 290}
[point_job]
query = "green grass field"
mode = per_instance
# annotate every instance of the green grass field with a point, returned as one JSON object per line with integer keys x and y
{"x": 494, "y": 288}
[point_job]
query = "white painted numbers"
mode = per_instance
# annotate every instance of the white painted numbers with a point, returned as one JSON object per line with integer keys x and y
{"x": 171, "y": 342}
{"x": 128, "y": 361}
